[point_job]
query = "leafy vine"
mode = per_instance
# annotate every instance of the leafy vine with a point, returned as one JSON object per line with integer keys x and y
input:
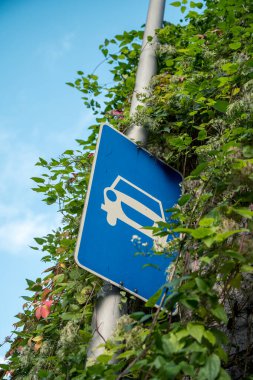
{"x": 199, "y": 115}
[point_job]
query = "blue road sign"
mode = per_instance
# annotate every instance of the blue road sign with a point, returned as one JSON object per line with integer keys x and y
{"x": 129, "y": 189}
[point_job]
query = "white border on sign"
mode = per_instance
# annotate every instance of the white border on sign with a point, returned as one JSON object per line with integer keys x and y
{"x": 79, "y": 236}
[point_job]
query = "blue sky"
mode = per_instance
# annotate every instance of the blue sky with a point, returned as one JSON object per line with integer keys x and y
{"x": 43, "y": 43}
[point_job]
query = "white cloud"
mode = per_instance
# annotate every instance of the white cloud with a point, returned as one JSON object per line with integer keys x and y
{"x": 51, "y": 52}
{"x": 22, "y": 214}
{"x": 78, "y": 131}
{"x": 18, "y": 233}
{"x": 8, "y": 211}
{"x": 17, "y": 165}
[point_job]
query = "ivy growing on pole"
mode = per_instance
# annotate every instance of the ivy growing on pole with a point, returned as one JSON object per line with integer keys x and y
{"x": 200, "y": 117}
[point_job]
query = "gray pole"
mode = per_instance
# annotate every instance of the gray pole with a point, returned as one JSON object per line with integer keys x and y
{"x": 107, "y": 310}
{"x": 104, "y": 320}
{"x": 147, "y": 66}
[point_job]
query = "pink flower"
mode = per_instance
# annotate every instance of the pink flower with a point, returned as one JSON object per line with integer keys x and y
{"x": 118, "y": 114}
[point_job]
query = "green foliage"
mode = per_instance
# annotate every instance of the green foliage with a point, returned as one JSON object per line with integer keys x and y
{"x": 199, "y": 115}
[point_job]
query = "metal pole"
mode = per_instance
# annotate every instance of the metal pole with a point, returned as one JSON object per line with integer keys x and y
{"x": 147, "y": 66}
{"x": 104, "y": 320}
{"x": 107, "y": 310}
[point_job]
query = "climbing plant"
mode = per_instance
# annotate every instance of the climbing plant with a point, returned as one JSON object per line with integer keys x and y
{"x": 199, "y": 115}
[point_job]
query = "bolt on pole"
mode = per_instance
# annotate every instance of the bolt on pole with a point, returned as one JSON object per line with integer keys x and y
{"x": 107, "y": 310}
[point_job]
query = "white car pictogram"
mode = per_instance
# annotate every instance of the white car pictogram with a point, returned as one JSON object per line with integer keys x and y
{"x": 114, "y": 200}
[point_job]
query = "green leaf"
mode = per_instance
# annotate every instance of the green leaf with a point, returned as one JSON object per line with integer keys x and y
{"x": 199, "y": 169}
{"x": 171, "y": 344}
{"x": 34, "y": 248}
{"x": 230, "y": 68}
{"x": 235, "y": 91}
{"x": 38, "y": 180}
{"x": 221, "y": 105}
{"x": 59, "y": 278}
{"x": 247, "y": 151}
{"x": 71, "y": 316}
{"x": 43, "y": 374}
{"x": 181, "y": 334}
{"x": 202, "y": 135}
{"x": 75, "y": 274}
{"x": 171, "y": 370}
{"x": 196, "y": 330}
{"x": 169, "y": 62}
{"x": 69, "y": 152}
{"x": 29, "y": 282}
{"x": 137, "y": 315}
{"x": 145, "y": 318}
{"x": 50, "y": 200}
{"x": 39, "y": 241}
{"x": 193, "y": 15}
{"x": 104, "y": 358}
{"x": 196, "y": 5}
{"x": 220, "y": 313}
{"x": 184, "y": 199}
{"x": 42, "y": 162}
{"x": 247, "y": 268}
{"x": 209, "y": 241}
{"x": 212, "y": 368}
{"x": 5, "y": 367}
{"x": 202, "y": 232}
{"x": 188, "y": 369}
{"x": 210, "y": 337}
{"x": 159, "y": 362}
{"x": 176, "y": 3}
{"x": 236, "y": 281}
{"x": 224, "y": 235}
{"x": 183, "y": 8}
{"x": 59, "y": 189}
{"x": 245, "y": 212}
{"x": 199, "y": 5}
{"x": 191, "y": 302}
{"x": 27, "y": 298}
{"x": 70, "y": 84}
{"x": 127, "y": 354}
{"x": 206, "y": 222}
{"x": 223, "y": 81}
{"x": 235, "y": 45}
{"x": 223, "y": 375}
{"x": 202, "y": 285}
{"x": 153, "y": 300}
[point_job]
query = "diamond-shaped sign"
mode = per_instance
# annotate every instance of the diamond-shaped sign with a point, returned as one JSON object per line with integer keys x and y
{"x": 129, "y": 189}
